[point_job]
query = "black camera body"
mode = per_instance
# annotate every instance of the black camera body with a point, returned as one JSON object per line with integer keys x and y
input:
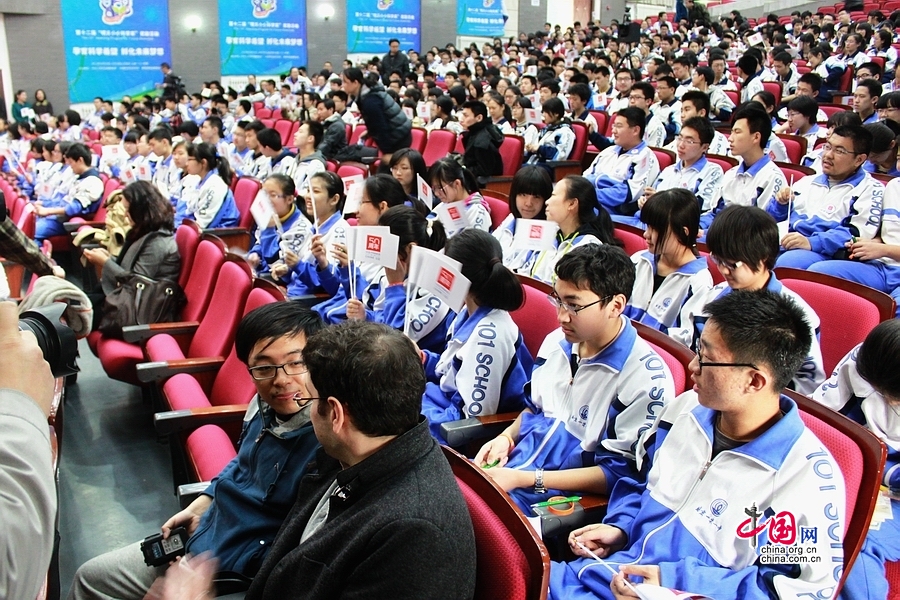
{"x": 57, "y": 341}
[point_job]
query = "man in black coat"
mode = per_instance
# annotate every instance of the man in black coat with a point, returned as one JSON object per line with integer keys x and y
{"x": 394, "y": 60}
{"x": 481, "y": 140}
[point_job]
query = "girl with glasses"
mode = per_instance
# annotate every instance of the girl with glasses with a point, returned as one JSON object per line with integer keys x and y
{"x": 453, "y": 183}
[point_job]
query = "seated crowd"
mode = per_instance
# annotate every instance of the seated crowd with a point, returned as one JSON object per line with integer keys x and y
{"x": 596, "y": 408}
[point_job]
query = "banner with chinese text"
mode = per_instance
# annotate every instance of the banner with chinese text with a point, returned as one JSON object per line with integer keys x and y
{"x": 114, "y": 48}
{"x": 371, "y": 23}
{"x": 262, "y": 37}
{"x": 479, "y": 18}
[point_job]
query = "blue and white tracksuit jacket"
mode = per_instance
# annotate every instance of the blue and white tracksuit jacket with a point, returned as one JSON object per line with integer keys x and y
{"x": 755, "y": 186}
{"x": 849, "y": 394}
{"x": 556, "y": 143}
{"x": 828, "y": 215}
{"x": 483, "y": 370}
{"x": 267, "y": 246}
{"x": 543, "y": 263}
{"x": 238, "y": 160}
{"x": 477, "y": 212}
{"x": 82, "y": 198}
{"x": 662, "y": 309}
{"x": 693, "y": 319}
{"x": 166, "y": 177}
{"x": 589, "y": 411}
{"x": 516, "y": 260}
{"x": 686, "y": 517}
{"x": 254, "y": 493}
{"x": 306, "y": 278}
{"x": 210, "y": 204}
{"x": 703, "y": 178}
{"x": 620, "y": 177}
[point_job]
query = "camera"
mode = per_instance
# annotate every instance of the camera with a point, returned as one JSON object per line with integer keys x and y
{"x": 158, "y": 551}
{"x": 57, "y": 341}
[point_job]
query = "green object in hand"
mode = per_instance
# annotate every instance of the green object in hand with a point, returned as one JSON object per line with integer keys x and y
{"x": 493, "y": 464}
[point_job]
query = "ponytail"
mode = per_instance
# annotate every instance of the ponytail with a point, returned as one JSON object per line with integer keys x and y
{"x": 481, "y": 255}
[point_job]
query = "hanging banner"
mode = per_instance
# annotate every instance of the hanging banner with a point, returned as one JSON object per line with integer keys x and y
{"x": 114, "y": 48}
{"x": 262, "y": 37}
{"x": 372, "y": 23}
{"x": 479, "y": 18}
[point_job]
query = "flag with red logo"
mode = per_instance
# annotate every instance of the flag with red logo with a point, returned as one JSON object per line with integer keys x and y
{"x": 262, "y": 210}
{"x": 424, "y": 191}
{"x": 374, "y": 245}
{"x": 453, "y": 216}
{"x": 533, "y": 234}
{"x": 353, "y": 190}
{"x": 533, "y": 116}
{"x": 440, "y": 275}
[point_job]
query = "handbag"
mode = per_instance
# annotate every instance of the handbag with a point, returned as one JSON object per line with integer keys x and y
{"x": 139, "y": 300}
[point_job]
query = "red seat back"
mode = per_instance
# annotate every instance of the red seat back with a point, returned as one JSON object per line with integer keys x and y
{"x": 264, "y": 113}
{"x": 795, "y": 146}
{"x": 632, "y": 237}
{"x": 793, "y": 172}
{"x": 244, "y": 194}
{"x": 357, "y": 132}
{"x": 419, "y": 138}
{"x": 726, "y": 162}
{"x": 846, "y": 79}
{"x": 276, "y": 114}
{"x": 581, "y": 142}
{"x": 27, "y": 219}
{"x": 459, "y": 148}
{"x": 187, "y": 238}
{"x": 666, "y": 158}
{"x": 676, "y": 355}
{"x": 440, "y": 143}
{"x": 216, "y": 331}
{"x": 602, "y": 118}
{"x": 257, "y": 106}
{"x": 847, "y": 311}
{"x": 775, "y": 88}
{"x": 284, "y": 128}
{"x": 512, "y": 150}
{"x": 536, "y": 318}
{"x": 734, "y": 96}
{"x": 499, "y": 210}
{"x": 830, "y": 109}
{"x": 349, "y": 170}
{"x": 270, "y": 123}
{"x": 199, "y": 287}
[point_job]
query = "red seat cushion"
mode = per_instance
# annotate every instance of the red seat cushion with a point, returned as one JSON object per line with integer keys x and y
{"x": 183, "y": 392}
{"x": 119, "y": 359}
{"x": 536, "y": 318}
{"x": 209, "y": 450}
{"x": 93, "y": 339}
{"x": 163, "y": 347}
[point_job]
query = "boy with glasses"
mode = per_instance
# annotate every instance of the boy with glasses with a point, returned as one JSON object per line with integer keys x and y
{"x": 237, "y": 516}
{"x": 595, "y": 388}
{"x": 743, "y": 244}
{"x": 825, "y": 212}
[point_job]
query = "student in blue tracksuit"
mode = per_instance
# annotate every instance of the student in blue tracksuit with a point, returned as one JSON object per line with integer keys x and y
{"x": 311, "y": 270}
{"x": 384, "y": 300}
{"x": 380, "y": 193}
{"x": 670, "y": 272}
{"x": 485, "y": 365}
{"x": 295, "y": 228}
{"x": 452, "y": 183}
{"x": 744, "y": 246}
{"x": 210, "y": 202}
{"x": 573, "y": 206}
{"x": 530, "y": 189}
{"x": 865, "y": 387}
{"x": 595, "y": 388}
{"x": 733, "y": 448}
{"x": 82, "y": 198}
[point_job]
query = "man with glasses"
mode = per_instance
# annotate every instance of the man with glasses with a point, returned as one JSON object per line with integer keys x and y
{"x": 692, "y": 171}
{"x": 624, "y": 81}
{"x": 237, "y": 516}
{"x": 595, "y": 388}
{"x": 732, "y": 474}
{"x": 743, "y": 244}
{"x": 668, "y": 108}
{"x": 825, "y": 212}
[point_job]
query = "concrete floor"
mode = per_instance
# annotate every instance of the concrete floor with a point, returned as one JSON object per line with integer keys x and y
{"x": 115, "y": 478}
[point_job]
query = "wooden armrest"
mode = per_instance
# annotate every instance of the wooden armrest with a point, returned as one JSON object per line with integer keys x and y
{"x": 138, "y": 333}
{"x": 310, "y": 300}
{"x": 499, "y": 183}
{"x": 590, "y": 509}
{"x": 73, "y": 226}
{"x": 174, "y": 421}
{"x": 159, "y": 370}
{"x": 234, "y": 237}
{"x": 189, "y": 492}
{"x": 220, "y": 231}
{"x": 459, "y": 433}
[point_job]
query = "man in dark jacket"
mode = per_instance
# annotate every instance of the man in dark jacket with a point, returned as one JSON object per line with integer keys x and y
{"x": 395, "y": 60}
{"x": 385, "y": 122}
{"x": 380, "y": 514}
{"x": 335, "y": 138}
{"x": 481, "y": 140}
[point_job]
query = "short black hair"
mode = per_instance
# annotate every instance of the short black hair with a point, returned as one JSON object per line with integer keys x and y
{"x": 873, "y": 86}
{"x": 269, "y": 138}
{"x": 699, "y": 100}
{"x": 481, "y": 256}
{"x": 373, "y": 370}
{"x": 554, "y": 106}
{"x": 273, "y": 321}
{"x": 806, "y": 106}
{"x": 876, "y": 358}
{"x": 763, "y": 328}
{"x": 604, "y": 269}
{"x": 78, "y": 151}
{"x": 758, "y": 120}
{"x": 744, "y": 233}
{"x": 861, "y": 137}
{"x": 477, "y": 107}
{"x": 704, "y": 128}
{"x": 530, "y": 180}
{"x": 635, "y": 118}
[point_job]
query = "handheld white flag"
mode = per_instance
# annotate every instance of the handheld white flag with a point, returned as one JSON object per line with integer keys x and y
{"x": 532, "y": 115}
{"x": 532, "y": 234}
{"x": 353, "y": 190}
{"x": 262, "y": 210}
{"x": 439, "y": 275}
{"x": 375, "y": 245}
{"x": 425, "y": 192}
{"x": 453, "y": 216}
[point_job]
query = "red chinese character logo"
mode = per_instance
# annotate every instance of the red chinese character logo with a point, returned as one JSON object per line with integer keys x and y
{"x": 373, "y": 243}
{"x": 454, "y": 214}
{"x": 535, "y": 232}
{"x": 782, "y": 528}
{"x": 445, "y": 279}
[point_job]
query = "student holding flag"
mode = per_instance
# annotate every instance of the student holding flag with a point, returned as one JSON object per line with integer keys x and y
{"x": 485, "y": 365}
{"x": 288, "y": 229}
{"x": 310, "y": 271}
{"x": 456, "y": 188}
{"x": 531, "y": 187}
{"x": 670, "y": 271}
{"x": 574, "y": 207}
{"x": 386, "y": 300}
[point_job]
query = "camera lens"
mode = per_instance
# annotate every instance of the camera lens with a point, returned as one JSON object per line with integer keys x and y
{"x": 57, "y": 341}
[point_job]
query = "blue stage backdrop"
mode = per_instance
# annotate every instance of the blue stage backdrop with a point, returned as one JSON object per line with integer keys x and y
{"x": 114, "y": 47}
{"x": 262, "y": 37}
{"x": 371, "y": 23}
{"x": 481, "y": 18}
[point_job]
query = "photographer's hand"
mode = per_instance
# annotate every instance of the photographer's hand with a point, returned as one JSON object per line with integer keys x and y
{"x": 26, "y": 371}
